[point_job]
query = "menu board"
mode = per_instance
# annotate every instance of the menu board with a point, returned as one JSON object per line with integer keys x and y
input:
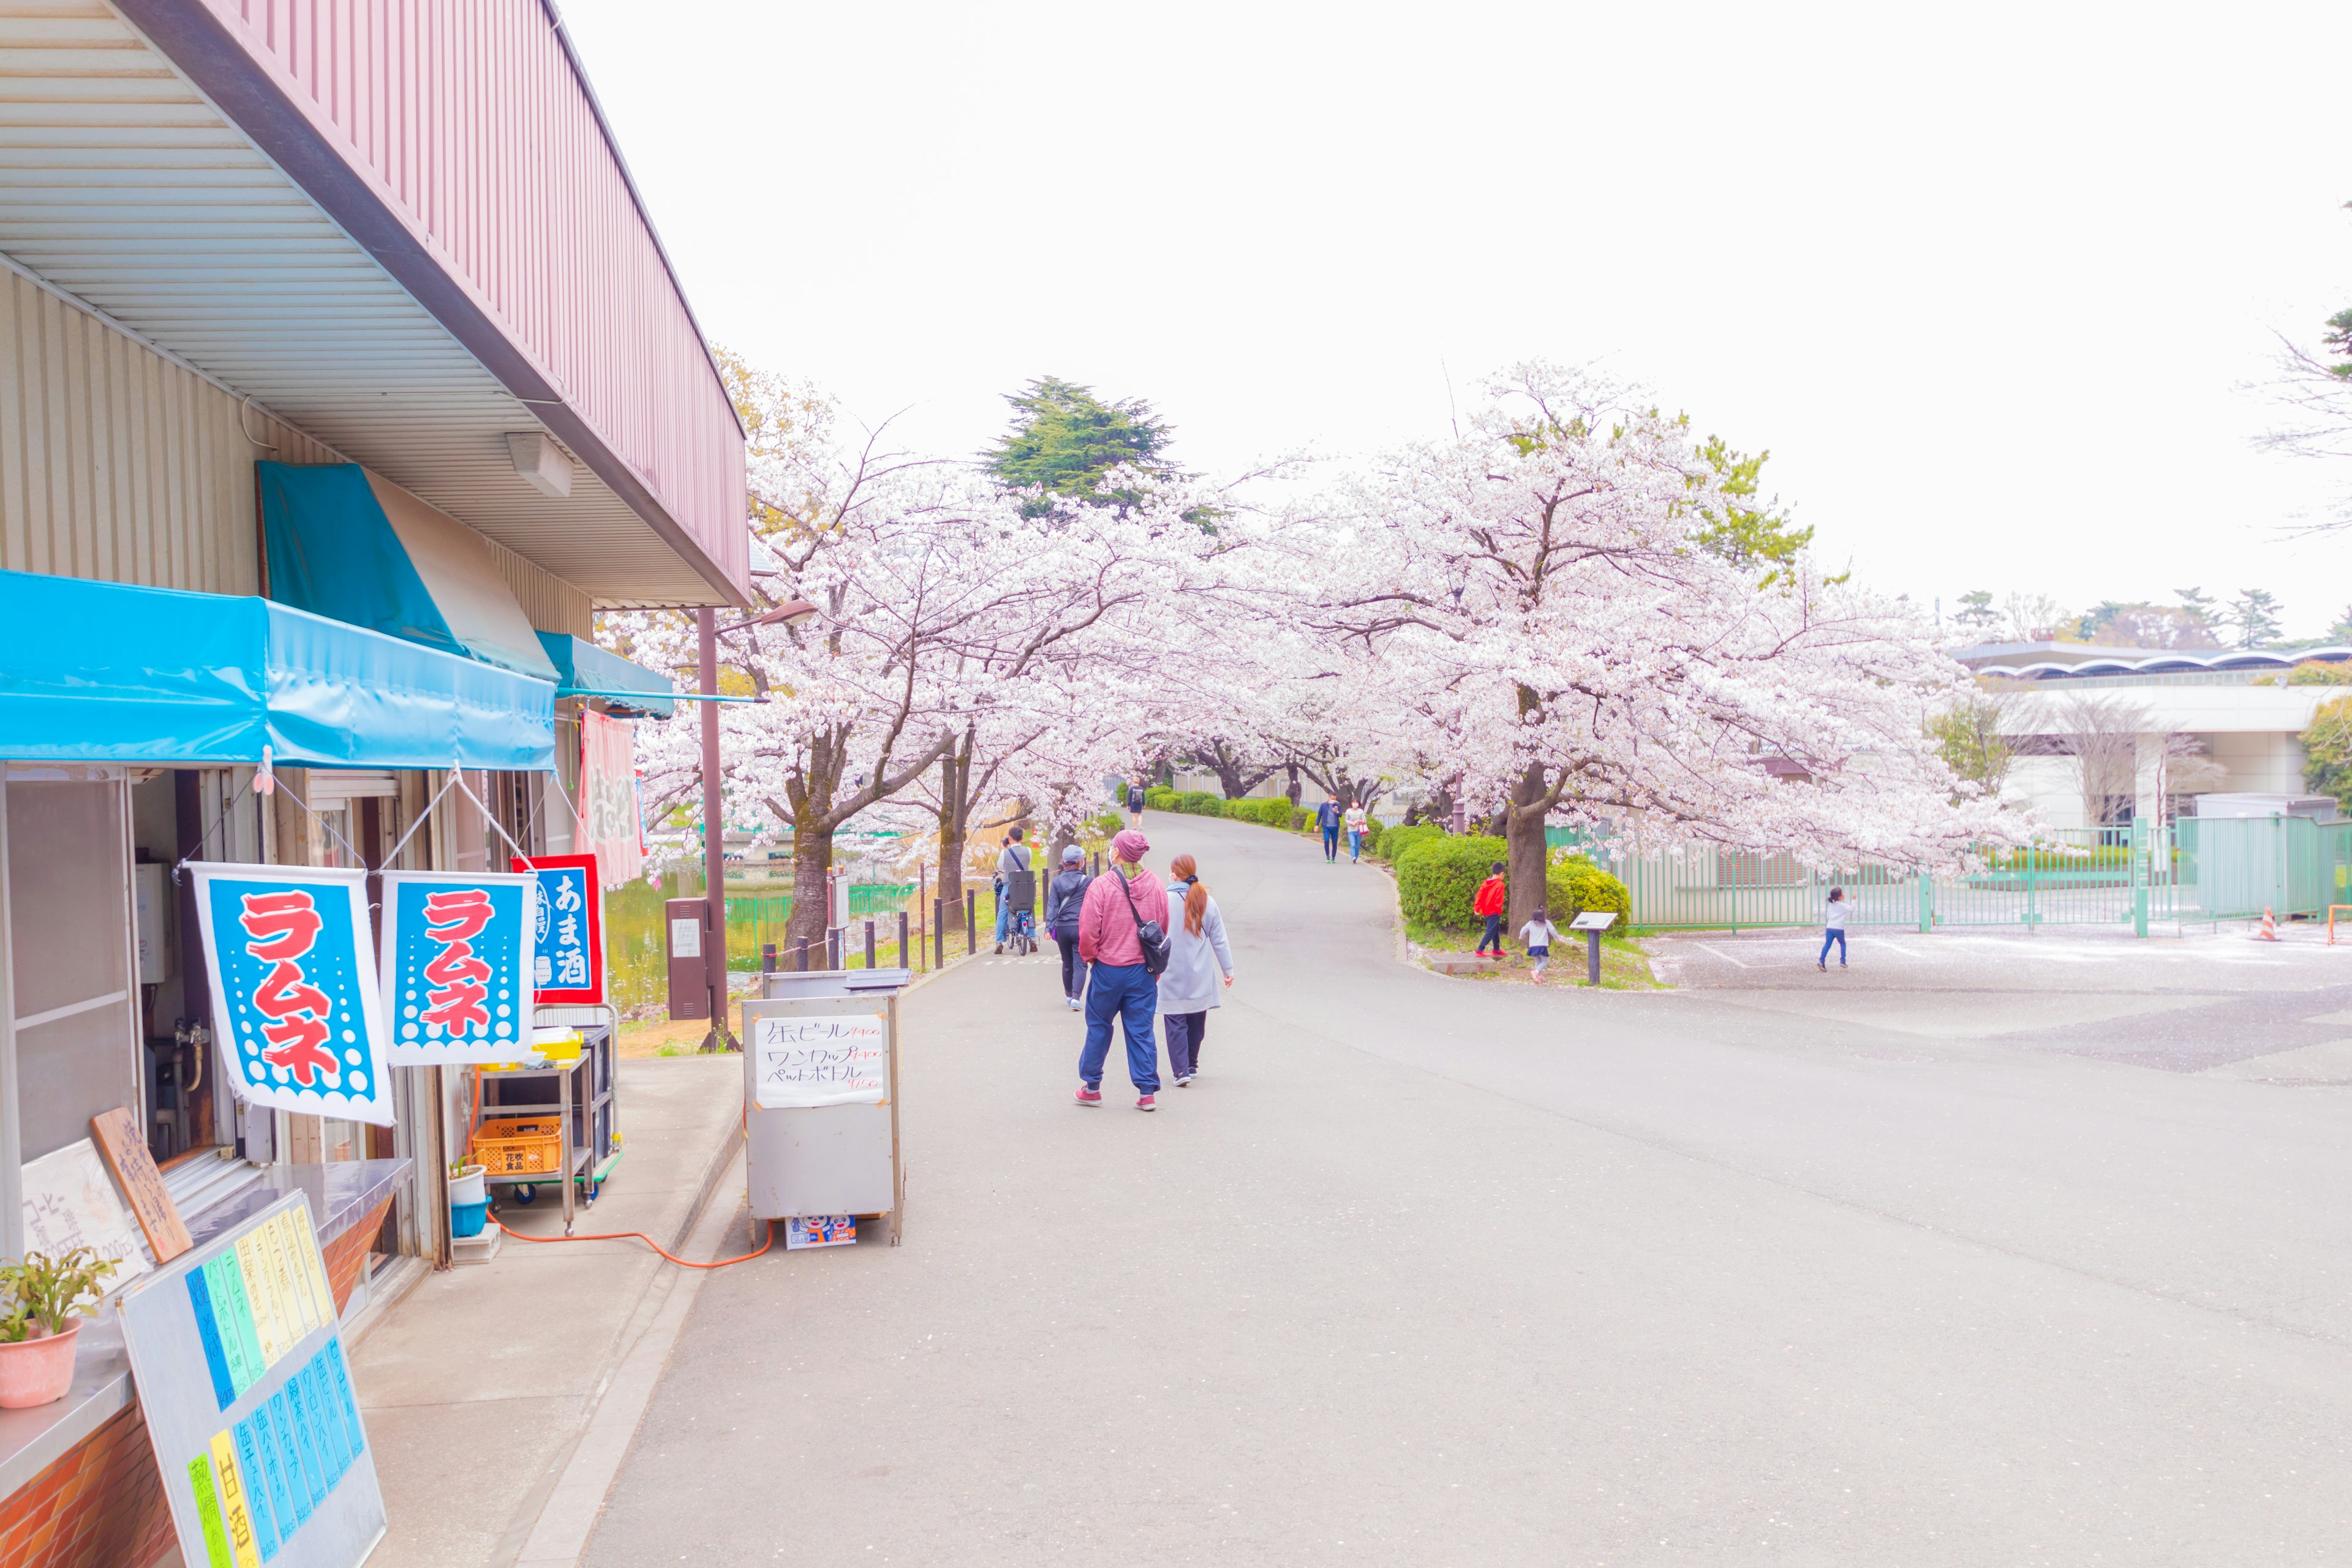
{"x": 249, "y": 1403}
{"x": 834, "y": 1058}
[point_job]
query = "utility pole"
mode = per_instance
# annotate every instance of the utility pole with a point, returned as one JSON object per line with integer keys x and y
{"x": 714, "y": 837}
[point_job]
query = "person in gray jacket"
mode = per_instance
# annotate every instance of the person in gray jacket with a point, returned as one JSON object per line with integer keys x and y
{"x": 1197, "y": 952}
{"x": 1064, "y": 899}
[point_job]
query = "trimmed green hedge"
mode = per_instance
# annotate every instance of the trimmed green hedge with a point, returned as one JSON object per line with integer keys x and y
{"x": 1396, "y": 840}
{"x": 1159, "y": 797}
{"x": 1573, "y": 884}
{"x": 1273, "y": 813}
{"x": 1437, "y": 877}
{"x": 1109, "y": 822}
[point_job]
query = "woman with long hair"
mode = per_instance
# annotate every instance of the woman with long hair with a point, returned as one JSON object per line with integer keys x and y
{"x": 1197, "y": 953}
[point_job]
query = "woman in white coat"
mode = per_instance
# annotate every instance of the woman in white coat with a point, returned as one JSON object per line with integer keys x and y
{"x": 1197, "y": 953}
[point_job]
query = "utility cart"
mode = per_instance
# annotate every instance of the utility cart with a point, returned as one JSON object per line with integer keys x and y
{"x": 560, "y": 1124}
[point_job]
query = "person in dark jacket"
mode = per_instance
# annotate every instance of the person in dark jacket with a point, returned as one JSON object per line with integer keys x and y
{"x": 1063, "y": 900}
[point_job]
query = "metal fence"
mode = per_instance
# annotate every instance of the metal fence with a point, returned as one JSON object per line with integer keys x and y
{"x": 2195, "y": 869}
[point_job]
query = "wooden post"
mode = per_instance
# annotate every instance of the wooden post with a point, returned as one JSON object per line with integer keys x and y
{"x": 904, "y": 963}
{"x": 869, "y": 941}
{"x": 971, "y": 921}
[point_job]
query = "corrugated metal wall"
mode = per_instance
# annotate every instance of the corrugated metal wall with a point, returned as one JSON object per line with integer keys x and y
{"x": 469, "y": 121}
{"x": 119, "y": 464}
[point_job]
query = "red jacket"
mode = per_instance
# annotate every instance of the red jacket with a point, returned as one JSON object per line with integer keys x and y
{"x": 1106, "y": 924}
{"x": 1490, "y": 898}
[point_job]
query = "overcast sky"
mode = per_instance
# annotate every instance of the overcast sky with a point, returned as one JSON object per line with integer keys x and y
{"x": 1987, "y": 281}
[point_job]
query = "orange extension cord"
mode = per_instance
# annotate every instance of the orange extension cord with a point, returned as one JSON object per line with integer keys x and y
{"x": 649, "y": 1241}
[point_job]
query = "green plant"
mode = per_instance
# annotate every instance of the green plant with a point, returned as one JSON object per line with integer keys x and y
{"x": 1200, "y": 803}
{"x": 1159, "y": 797}
{"x": 1437, "y": 877}
{"x": 43, "y": 1292}
{"x": 1108, "y": 823}
{"x": 1396, "y": 840}
{"x": 2327, "y": 750}
{"x": 1573, "y": 884}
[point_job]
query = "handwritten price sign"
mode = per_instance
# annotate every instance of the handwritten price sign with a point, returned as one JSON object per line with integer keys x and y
{"x": 840, "y": 1060}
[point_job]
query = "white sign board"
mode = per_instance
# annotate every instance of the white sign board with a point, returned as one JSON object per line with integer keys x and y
{"x": 841, "y": 1059}
{"x": 1594, "y": 920}
{"x": 685, "y": 939}
{"x": 70, "y": 1201}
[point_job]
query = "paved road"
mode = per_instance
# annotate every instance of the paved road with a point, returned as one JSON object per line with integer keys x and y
{"x": 1438, "y": 1271}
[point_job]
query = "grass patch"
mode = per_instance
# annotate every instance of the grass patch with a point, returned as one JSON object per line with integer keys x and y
{"x": 1624, "y": 965}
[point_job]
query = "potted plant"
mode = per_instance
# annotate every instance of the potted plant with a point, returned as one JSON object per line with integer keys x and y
{"x": 38, "y": 1331}
{"x": 469, "y": 1205}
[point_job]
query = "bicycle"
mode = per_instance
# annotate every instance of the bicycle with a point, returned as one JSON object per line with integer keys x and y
{"x": 1024, "y": 933}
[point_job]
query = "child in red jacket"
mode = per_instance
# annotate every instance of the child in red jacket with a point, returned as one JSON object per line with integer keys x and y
{"x": 1489, "y": 902}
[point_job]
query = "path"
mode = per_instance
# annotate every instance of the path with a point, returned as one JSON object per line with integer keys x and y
{"x": 1432, "y": 1271}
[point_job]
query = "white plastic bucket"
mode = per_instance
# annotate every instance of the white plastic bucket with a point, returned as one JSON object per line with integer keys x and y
{"x": 466, "y": 1188}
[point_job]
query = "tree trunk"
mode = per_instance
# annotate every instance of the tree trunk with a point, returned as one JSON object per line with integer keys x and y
{"x": 1524, "y": 834}
{"x": 811, "y": 859}
{"x": 1293, "y": 789}
{"x": 955, "y": 819}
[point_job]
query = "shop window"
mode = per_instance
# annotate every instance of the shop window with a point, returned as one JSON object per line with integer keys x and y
{"x": 69, "y": 925}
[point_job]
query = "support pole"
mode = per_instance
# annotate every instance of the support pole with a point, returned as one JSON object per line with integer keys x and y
{"x": 970, "y": 922}
{"x": 869, "y": 941}
{"x": 804, "y": 956}
{"x": 714, "y": 837}
{"x": 1593, "y": 958}
{"x": 766, "y": 958}
{"x": 906, "y": 959}
{"x": 939, "y": 934}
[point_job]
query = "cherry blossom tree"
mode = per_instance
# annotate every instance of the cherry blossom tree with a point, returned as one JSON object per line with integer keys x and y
{"x": 1537, "y": 616}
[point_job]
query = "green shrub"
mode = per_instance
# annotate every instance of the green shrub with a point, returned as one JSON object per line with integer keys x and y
{"x": 1401, "y": 838}
{"x": 1201, "y": 803}
{"x": 1273, "y": 812}
{"x": 1159, "y": 797}
{"x": 1437, "y": 877}
{"x": 1108, "y": 822}
{"x": 1573, "y": 884}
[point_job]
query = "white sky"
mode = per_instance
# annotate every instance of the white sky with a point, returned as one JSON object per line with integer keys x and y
{"x": 1987, "y": 283}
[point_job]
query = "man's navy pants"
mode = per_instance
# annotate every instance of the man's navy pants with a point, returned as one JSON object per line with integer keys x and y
{"x": 1128, "y": 992}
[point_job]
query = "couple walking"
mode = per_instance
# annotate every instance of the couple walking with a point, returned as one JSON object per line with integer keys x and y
{"x": 1147, "y": 949}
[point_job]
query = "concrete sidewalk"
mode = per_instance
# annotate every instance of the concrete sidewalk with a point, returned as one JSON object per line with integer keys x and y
{"x": 478, "y": 1384}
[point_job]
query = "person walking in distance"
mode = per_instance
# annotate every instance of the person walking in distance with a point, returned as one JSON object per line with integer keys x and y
{"x": 1539, "y": 933}
{"x": 1836, "y": 920}
{"x": 1327, "y": 818}
{"x": 1063, "y": 899}
{"x": 1123, "y": 936}
{"x": 1356, "y": 820}
{"x": 1011, "y": 866}
{"x": 1491, "y": 895}
{"x": 1196, "y": 935}
{"x": 1135, "y": 803}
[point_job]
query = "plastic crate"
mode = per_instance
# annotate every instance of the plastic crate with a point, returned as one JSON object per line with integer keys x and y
{"x": 520, "y": 1147}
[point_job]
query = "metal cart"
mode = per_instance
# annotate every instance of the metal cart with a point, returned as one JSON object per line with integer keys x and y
{"x": 583, "y": 1096}
{"x": 821, "y": 1088}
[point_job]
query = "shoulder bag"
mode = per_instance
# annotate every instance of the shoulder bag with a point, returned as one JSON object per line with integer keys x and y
{"x": 1149, "y": 934}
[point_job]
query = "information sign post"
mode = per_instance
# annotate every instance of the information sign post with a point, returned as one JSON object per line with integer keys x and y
{"x": 248, "y": 1399}
{"x": 1593, "y": 922}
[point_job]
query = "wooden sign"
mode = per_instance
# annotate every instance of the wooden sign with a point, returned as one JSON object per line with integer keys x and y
{"x": 142, "y": 1184}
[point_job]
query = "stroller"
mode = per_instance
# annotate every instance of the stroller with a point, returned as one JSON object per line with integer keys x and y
{"x": 1019, "y": 894}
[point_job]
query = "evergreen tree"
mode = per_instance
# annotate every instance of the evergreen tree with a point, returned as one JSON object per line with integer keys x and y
{"x": 1064, "y": 440}
{"x": 2254, "y": 612}
{"x": 1976, "y": 611}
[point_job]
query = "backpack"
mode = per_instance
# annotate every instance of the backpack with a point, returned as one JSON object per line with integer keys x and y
{"x": 1149, "y": 934}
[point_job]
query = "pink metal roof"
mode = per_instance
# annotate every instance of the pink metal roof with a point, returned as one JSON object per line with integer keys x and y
{"x": 459, "y": 142}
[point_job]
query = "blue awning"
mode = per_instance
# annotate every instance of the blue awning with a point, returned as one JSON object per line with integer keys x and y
{"x": 349, "y": 546}
{"x": 583, "y": 669}
{"x": 109, "y": 673}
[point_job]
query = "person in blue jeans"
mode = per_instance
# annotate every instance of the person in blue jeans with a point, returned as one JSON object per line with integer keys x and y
{"x": 1836, "y": 933}
{"x": 1327, "y": 818}
{"x": 1118, "y": 986}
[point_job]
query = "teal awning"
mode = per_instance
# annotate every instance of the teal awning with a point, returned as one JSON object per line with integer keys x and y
{"x": 345, "y": 544}
{"x": 583, "y": 669}
{"x": 109, "y": 673}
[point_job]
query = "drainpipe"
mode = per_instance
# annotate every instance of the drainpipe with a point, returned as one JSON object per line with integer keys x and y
{"x": 714, "y": 835}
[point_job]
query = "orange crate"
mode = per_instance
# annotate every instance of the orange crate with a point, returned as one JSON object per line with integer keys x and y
{"x": 520, "y": 1147}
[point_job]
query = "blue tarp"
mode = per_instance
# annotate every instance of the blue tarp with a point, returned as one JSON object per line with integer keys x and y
{"x": 109, "y": 673}
{"x": 583, "y": 669}
{"x": 332, "y": 553}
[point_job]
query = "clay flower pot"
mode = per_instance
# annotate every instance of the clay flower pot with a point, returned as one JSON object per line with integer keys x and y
{"x": 37, "y": 1370}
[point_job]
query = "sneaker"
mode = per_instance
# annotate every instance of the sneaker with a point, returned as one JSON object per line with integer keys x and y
{"x": 1184, "y": 1080}
{"x": 1073, "y": 1003}
{"x": 1000, "y": 947}
{"x": 1142, "y": 1103}
{"x": 1823, "y": 967}
{"x": 1089, "y": 1096}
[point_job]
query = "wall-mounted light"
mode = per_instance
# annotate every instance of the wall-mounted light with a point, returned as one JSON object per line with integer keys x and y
{"x": 541, "y": 462}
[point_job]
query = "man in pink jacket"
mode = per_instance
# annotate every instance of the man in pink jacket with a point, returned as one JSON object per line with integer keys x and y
{"x": 1117, "y": 985}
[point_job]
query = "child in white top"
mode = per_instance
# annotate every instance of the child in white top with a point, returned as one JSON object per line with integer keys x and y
{"x": 1539, "y": 933}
